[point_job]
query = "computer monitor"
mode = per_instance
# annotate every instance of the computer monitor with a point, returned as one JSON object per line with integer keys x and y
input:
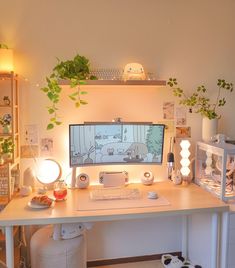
{"x": 115, "y": 143}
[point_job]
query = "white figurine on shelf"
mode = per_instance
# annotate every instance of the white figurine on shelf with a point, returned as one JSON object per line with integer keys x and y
{"x": 134, "y": 71}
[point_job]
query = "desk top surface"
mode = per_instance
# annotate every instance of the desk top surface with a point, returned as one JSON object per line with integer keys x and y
{"x": 183, "y": 200}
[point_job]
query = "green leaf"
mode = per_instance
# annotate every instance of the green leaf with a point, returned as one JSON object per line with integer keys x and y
{"x": 3, "y": 46}
{"x": 83, "y": 102}
{"x": 77, "y": 104}
{"x": 72, "y": 98}
{"x": 93, "y": 77}
{"x": 74, "y": 94}
{"x": 51, "y": 111}
{"x": 73, "y": 83}
{"x": 58, "y": 123}
{"x": 81, "y": 82}
{"x": 83, "y": 92}
{"x": 45, "y": 89}
{"x": 57, "y": 89}
{"x": 50, "y": 95}
{"x": 50, "y": 126}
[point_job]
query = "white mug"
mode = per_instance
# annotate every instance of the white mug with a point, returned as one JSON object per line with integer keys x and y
{"x": 25, "y": 190}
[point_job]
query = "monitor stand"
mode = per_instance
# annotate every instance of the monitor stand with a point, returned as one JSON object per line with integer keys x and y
{"x": 73, "y": 179}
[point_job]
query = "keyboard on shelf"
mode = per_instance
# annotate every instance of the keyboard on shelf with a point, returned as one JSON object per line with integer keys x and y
{"x": 115, "y": 193}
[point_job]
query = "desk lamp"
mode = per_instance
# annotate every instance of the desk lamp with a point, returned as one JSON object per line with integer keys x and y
{"x": 185, "y": 162}
{"x": 49, "y": 171}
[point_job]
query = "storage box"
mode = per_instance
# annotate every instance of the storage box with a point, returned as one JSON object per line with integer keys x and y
{"x": 215, "y": 168}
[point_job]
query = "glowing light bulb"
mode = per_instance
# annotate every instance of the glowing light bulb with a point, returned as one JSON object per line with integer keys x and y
{"x": 6, "y": 60}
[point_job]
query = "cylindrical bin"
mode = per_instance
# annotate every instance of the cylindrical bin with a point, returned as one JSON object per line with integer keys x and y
{"x": 48, "y": 253}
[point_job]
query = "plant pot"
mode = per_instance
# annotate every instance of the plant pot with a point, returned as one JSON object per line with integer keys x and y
{"x": 209, "y": 128}
{"x": 1, "y": 160}
{"x": 7, "y": 157}
{"x": 6, "y": 129}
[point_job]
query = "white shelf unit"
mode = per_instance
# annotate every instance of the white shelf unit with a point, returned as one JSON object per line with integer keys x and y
{"x": 9, "y": 171}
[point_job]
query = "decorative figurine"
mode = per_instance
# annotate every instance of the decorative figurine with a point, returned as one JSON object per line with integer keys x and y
{"x": 134, "y": 71}
{"x": 6, "y": 100}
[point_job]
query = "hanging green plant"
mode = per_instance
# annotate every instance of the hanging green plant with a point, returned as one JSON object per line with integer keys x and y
{"x": 76, "y": 71}
{"x": 199, "y": 101}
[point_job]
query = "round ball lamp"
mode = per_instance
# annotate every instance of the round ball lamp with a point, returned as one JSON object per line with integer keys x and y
{"x": 49, "y": 171}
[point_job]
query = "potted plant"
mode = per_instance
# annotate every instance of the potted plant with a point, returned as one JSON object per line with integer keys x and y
{"x": 6, "y": 149}
{"x": 5, "y": 122}
{"x": 199, "y": 102}
{"x": 76, "y": 71}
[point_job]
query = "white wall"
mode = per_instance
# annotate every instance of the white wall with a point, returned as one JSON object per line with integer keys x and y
{"x": 191, "y": 40}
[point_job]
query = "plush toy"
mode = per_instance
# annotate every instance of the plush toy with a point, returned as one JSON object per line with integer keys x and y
{"x": 134, "y": 71}
{"x": 170, "y": 261}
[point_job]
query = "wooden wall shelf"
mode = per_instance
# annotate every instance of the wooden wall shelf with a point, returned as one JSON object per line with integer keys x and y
{"x": 120, "y": 82}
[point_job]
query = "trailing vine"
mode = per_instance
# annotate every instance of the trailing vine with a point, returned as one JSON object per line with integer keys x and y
{"x": 76, "y": 71}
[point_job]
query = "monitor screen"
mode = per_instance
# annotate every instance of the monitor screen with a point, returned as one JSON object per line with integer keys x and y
{"x": 115, "y": 143}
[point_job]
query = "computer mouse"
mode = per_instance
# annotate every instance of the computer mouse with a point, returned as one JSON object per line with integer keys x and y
{"x": 152, "y": 195}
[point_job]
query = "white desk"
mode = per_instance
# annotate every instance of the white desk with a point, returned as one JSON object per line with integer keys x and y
{"x": 184, "y": 200}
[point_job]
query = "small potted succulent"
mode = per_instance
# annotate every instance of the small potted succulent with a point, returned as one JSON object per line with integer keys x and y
{"x": 200, "y": 102}
{"x": 5, "y": 122}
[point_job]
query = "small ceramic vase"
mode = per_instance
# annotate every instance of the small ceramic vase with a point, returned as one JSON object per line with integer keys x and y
{"x": 176, "y": 177}
{"x": 6, "y": 129}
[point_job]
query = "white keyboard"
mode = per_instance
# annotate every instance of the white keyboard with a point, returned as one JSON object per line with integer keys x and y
{"x": 115, "y": 193}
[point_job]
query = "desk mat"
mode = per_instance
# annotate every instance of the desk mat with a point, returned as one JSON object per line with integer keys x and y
{"x": 85, "y": 203}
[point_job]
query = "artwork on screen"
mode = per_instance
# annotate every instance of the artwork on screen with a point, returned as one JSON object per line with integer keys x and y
{"x": 112, "y": 143}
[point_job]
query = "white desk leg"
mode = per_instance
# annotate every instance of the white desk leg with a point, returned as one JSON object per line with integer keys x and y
{"x": 185, "y": 236}
{"x": 9, "y": 247}
{"x": 224, "y": 240}
{"x": 214, "y": 240}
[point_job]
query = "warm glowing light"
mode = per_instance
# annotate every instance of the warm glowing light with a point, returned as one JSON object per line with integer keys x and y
{"x": 185, "y": 153}
{"x": 134, "y": 71}
{"x": 185, "y": 144}
{"x": 185, "y": 162}
{"x": 185, "y": 171}
{"x": 49, "y": 171}
{"x": 6, "y": 60}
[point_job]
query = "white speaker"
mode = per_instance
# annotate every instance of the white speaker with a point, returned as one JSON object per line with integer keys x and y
{"x": 147, "y": 178}
{"x": 82, "y": 181}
